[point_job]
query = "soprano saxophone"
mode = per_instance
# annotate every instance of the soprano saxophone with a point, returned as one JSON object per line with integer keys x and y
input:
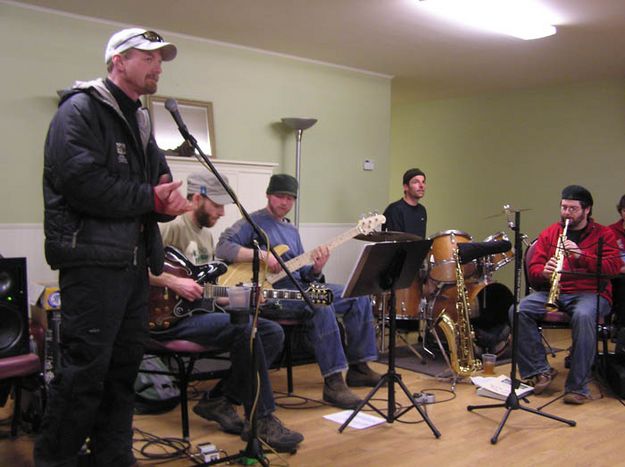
{"x": 554, "y": 291}
{"x": 460, "y": 335}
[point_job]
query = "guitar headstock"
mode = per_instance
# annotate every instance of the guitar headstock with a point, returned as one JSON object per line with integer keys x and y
{"x": 320, "y": 295}
{"x": 370, "y": 223}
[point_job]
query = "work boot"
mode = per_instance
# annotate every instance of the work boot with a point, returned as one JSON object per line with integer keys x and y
{"x": 271, "y": 430}
{"x": 359, "y": 375}
{"x": 220, "y": 410}
{"x": 336, "y": 392}
{"x": 543, "y": 380}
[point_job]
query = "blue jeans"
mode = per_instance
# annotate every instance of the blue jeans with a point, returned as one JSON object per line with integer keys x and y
{"x": 532, "y": 358}
{"x": 215, "y": 330}
{"x": 357, "y": 316}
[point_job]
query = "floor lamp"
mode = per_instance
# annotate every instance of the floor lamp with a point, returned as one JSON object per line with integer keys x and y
{"x": 299, "y": 124}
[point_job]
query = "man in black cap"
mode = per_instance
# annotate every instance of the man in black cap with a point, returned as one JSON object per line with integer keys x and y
{"x": 408, "y": 214}
{"x": 235, "y": 245}
{"x": 577, "y": 294}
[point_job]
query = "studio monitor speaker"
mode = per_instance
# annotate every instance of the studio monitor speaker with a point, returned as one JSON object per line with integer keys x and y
{"x": 14, "y": 339}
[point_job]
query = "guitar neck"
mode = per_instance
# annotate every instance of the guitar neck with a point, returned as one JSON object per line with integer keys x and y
{"x": 305, "y": 258}
{"x": 214, "y": 291}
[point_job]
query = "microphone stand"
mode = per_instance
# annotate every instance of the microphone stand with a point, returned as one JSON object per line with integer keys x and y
{"x": 253, "y": 449}
{"x": 512, "y": 401}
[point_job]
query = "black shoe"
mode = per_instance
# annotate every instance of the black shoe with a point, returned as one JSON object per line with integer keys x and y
{"x": 271, "y": 430}
{"x": 336, "y": 392}
{"x": 220, "y": 410}
{"x": 360, "y": 375}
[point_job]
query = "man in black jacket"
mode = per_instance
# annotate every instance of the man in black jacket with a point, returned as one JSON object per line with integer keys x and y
{"x": 105, "y": 184}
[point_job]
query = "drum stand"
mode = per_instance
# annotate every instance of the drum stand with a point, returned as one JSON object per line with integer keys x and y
{"x": 383, "y": 267}
{"x": 512, "y": 401}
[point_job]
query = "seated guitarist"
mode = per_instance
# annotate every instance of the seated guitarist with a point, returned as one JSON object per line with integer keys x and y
{"x": 235, "y": 246}
{"x": 190, "y": 234}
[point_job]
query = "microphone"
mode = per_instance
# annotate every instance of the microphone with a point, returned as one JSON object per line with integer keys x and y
{"x": 506, "y": 208}
{"x": 467, "y": 252}
{"x": 172, "y": 106}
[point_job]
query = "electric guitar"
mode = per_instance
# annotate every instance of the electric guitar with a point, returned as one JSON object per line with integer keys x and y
{"x": 242, "y": 272}
{"x": 166, "y": 308}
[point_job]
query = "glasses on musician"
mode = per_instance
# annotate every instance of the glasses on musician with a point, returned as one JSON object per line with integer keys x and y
{"x": 147, "y": 35}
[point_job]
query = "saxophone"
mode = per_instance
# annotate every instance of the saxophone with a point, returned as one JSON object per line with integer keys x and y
{"x": 460, "y": 335}
{"x": 554, "y": 291}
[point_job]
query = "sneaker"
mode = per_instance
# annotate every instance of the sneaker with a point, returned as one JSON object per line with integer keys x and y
{"x": 336, "y": 392}
{"x": 576, "y": 398}
{"x": 543, "y": 380}
{"x": 360, "y": 375}
{"x": 271, "y": 430}
{"x": 220, "y": 410}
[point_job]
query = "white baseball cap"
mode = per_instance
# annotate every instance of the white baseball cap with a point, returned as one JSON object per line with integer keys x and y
{"x": 137, "y": 38}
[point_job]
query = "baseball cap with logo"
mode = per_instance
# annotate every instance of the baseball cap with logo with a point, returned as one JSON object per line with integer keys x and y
{"x": 207, "y": 185}
{"x": 137, "y": 38}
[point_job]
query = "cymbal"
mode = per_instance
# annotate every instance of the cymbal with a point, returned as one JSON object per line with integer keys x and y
{"x": 388, "y": 236}
{"x": 504, "y": 213}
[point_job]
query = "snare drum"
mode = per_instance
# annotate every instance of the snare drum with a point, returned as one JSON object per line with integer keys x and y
{"x": 494, "y": 262}
{"x": 407, "y": 302}
{"x": 443, "y": 266}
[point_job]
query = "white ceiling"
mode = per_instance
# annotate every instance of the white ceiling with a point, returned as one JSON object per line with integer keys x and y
{"x": 393, "y": 37}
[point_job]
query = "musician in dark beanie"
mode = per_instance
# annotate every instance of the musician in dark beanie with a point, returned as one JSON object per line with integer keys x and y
{"x": 235, "y": 245}
{"x": 576, "y": 294}
{"x": 408, "y": 214}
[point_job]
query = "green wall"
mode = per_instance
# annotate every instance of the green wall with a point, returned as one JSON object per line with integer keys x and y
{"x": 519, "y": 148}
{"x": 251, "y": 91}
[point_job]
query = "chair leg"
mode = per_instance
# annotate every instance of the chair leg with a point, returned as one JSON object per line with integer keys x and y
{"x": 546, "y": 342}
{"x": 17, "y": 409}
{"x": 288, "y": 356}
{"x": 183, "y": 384}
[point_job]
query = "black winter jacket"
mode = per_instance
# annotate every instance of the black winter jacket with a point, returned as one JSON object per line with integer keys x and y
{"x": 98, "y": 183}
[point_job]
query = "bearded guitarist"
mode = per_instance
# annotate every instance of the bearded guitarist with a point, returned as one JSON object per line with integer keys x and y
{"x": 235, "y": 246}
{"x": 190, "y": 234}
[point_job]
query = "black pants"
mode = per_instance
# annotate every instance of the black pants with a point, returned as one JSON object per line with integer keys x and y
{"x": 103, "y": 329}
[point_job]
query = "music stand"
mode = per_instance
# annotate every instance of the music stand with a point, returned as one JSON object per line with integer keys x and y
{"x": 382, "y": 267}
{"x": 512, "y": 401}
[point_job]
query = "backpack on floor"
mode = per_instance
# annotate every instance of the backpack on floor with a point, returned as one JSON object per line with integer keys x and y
{"x": 155, "y": 393}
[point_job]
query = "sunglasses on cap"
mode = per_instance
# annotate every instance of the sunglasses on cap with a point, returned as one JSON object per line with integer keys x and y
{"x": 147, "y": 35}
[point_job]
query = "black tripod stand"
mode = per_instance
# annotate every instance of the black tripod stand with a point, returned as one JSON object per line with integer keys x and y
{"x": 512, "y": 401}
{"x": 383, "y": 267}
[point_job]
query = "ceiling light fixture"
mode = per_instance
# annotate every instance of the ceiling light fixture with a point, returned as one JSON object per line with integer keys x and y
{"x": 525, "y": 19}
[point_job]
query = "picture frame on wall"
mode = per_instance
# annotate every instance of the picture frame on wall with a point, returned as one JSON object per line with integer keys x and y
{"x": 197, "y": 116}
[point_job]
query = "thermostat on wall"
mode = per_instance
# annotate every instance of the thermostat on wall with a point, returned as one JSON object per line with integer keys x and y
{"x": 368, "y": 165}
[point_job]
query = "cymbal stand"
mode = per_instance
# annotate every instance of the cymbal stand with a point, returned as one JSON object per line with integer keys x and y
{"x": 512, "y": 401}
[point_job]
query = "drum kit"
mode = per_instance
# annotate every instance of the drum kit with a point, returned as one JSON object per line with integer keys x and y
{"x": 434, "y": 291}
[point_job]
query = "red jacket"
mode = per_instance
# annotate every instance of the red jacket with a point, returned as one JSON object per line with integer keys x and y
{"x": 619, "y": 231}
{"x": 587, "y": 262}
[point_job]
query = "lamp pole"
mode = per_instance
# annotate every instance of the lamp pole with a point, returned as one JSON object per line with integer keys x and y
{"x": 298, "y": 124}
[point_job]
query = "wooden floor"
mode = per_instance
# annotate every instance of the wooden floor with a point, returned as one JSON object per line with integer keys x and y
{"x": 526, "y": 439}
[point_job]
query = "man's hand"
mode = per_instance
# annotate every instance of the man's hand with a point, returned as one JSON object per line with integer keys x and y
{"x": 167, "y": 198}
{"x": 571, "y": 248}
{"x": 319, "y": 256}
{"x": 272, "y": 262}
{"x": 187, "y": 288}
{"x": 550, "y": 267}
